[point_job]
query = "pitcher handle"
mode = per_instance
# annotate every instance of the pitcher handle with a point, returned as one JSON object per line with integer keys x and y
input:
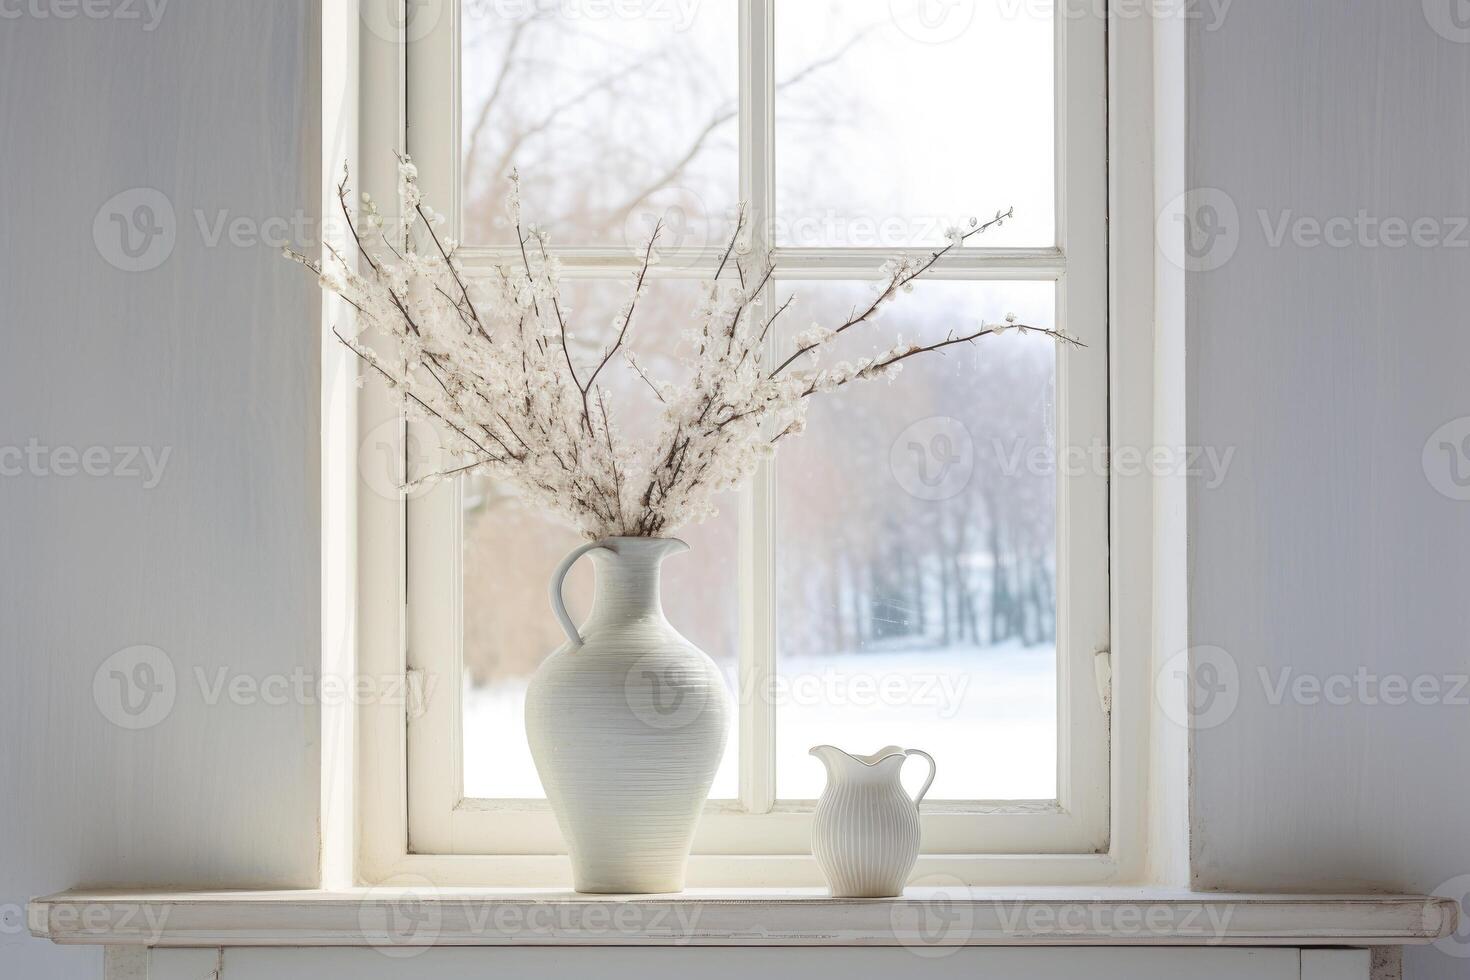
{"x": 558, "y": 605}
{"x": 933, "y": 770}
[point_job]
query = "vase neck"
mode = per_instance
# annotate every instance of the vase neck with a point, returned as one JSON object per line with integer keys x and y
{"x": 628, "y": 579}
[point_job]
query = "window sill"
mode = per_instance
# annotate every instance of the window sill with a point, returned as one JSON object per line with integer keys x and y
{"x": 386, "y": 917}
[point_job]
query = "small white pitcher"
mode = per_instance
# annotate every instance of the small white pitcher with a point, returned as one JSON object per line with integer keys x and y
{"x": 866, "y": 833}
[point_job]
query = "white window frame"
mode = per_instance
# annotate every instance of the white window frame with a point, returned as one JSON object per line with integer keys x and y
{"x": 413, "y": 818}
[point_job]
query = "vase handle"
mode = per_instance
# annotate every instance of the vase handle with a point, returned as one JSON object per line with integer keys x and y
{"x": 558, "y": 605}
{"x": 933, "y": 771}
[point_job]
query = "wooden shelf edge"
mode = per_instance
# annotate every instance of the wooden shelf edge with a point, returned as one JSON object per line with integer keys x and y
{"x": 388, "y": 917}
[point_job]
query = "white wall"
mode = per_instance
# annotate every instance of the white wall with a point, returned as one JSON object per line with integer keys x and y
{"x": 1329, "y": 549}
{"x": 213, "y": 356}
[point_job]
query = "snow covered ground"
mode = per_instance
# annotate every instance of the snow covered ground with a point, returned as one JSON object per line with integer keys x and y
{"x": 987, "y": 715}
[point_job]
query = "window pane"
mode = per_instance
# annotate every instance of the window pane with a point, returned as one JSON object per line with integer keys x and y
{"x": 616, "y": 114}
{"x": 896, "y": 120}
{"x": 916, "y": 551}
{"x": 510, "y": 551}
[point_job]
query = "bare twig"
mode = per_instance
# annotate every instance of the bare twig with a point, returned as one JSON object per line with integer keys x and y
{"x": 514, "y": 403}
{"x": 628, "y": 316}
{"x": 897, "y": 283}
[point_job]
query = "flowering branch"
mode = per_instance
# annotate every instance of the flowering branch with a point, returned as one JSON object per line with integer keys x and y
{"x": 489, "y": 360}
{"x": 901, "y": 276}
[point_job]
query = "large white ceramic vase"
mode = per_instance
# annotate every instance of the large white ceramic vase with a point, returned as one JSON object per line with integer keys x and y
{"x": 627, "y": 723}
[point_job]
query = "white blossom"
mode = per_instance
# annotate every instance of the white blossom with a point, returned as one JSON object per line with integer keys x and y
{"x": 487, "y": 359}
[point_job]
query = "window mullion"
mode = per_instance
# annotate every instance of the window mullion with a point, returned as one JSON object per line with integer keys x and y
{"x": 757, "y": 731}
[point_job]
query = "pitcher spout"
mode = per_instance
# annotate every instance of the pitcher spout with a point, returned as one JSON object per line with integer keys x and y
{"x": 832, "y": 757}
{"x": 839, "y": 762}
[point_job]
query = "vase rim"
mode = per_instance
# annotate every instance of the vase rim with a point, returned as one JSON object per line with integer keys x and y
{"x": 638, "y": 542}
{"x": 638, "y": 547}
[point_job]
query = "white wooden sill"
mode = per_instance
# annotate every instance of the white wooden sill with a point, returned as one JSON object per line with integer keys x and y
{"x": 1077, "y": 916}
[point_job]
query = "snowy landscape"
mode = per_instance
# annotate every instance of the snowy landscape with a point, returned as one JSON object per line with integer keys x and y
{"x": 987, "y": 715}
